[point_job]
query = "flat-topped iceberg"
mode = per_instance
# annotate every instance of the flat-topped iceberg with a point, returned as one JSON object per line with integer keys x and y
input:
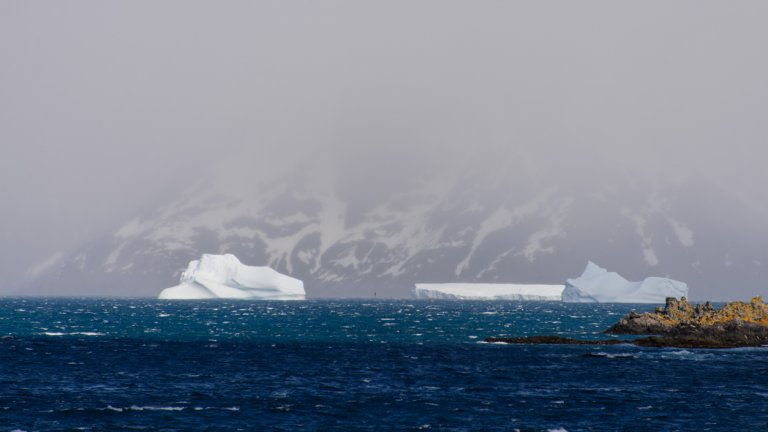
{"x": 224, "y": 276}
{"x": 597, "y": 285}
{"x": 488, "y": 291}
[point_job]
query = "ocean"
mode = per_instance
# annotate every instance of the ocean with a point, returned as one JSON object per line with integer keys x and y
{"x": 359, "y": 365}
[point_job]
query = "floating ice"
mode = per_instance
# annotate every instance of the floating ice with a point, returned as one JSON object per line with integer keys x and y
{"x": 224, "y": 276}
{"x": 597, "y": 285}
{"x": 485, "y": 291}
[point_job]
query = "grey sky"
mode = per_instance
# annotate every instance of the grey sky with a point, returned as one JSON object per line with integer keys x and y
{"x": 106, "y": 106}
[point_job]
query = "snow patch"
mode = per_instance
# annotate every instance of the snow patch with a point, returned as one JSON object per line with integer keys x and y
{"x": 555, "y": 229}
{"x": 503, "y": 218}
{"x": 683, "y": 233}
{"x": 114, "y": 256}
{"x": 133, "y": 228}
{"x": 649, "y": 255}
{"x": 48, "y": 263}
{"x": 646, "y": 241}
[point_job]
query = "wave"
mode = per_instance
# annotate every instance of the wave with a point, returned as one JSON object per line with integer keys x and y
{"x": 603, "y": 354}
{"x": 59, "y": 334}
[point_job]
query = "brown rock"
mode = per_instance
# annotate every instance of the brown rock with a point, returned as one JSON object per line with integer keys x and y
{"x": 735, "y": 324}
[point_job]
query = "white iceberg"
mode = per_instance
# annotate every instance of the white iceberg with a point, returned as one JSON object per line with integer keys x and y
{"x": 488, "y": 291}
{"x": 597, "y": 285}
{"x": 224, "y": 276}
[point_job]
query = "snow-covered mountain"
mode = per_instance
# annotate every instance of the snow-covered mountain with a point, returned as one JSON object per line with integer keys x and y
{"x": 436, "y": 231}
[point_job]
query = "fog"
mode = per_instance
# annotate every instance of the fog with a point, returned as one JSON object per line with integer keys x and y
{"x": 108, "y": 107}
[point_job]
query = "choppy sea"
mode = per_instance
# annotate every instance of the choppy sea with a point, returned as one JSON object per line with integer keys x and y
{"x": 114, "y": 365}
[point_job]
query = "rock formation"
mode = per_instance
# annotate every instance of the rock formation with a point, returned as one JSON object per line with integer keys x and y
{"x": 678, "y": 324}
{"x": 679, "y": 317}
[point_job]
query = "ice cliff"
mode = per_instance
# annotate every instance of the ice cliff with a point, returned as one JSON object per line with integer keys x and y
{"x": 597, "y": 285}
{"x": 224, "y": 276}
{"x": 485, "y": 291}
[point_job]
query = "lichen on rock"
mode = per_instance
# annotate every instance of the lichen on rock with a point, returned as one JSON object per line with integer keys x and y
{"x": 678, "y": 324}
{"x": 735, "y": 324}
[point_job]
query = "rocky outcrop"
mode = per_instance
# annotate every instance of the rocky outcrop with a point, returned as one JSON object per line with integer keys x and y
{"x": 678, "y": 324}
{"x": 679, "y": 318}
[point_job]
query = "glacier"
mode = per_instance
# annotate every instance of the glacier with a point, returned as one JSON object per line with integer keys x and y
{"x": 224, "y": 276}
{"x": 597, "y": 285}
{"x": 488, "y": 291}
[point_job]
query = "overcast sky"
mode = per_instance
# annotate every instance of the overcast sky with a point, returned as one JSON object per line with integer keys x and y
{"x": 106, "y": 107}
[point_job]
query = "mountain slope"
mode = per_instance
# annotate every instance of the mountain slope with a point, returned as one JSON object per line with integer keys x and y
{"x": 437, "y": 231}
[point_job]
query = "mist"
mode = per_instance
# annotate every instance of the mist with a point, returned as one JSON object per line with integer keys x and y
{"x": 106, "y": 108}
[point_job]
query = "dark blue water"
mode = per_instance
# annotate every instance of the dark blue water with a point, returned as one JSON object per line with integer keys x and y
{"x": 355, "y": 365}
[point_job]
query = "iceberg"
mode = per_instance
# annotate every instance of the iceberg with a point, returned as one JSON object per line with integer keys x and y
{"x": 597, "y": 285}
{"x": 488, "y": 291}
{"x": 224, "y": 276}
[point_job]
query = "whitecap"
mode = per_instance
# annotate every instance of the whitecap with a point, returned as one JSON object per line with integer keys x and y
{"x": 280, "y": 394}
{"x": 604, "y": 354}
{"x": 685, "y": 355}
{"x": 747, "y": 349}
{"x": 58, "y": 334}
{"x": 232, "y": 408}
{"x": 155, "y": 408}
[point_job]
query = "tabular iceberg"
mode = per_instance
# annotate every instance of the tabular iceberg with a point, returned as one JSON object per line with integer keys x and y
{"x": 597, "y": 285}
{"x": 224, "y": 276}
{"x": 485, "y": 291}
